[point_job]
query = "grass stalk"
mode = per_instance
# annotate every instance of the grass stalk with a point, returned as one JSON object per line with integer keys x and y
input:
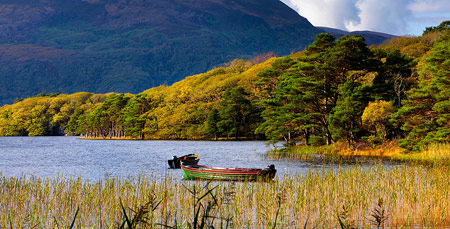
{"x": 413, "y": 196}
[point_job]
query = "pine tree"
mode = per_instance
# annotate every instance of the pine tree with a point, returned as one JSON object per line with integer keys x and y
{"x": 426, "y": 113}
{"x": 134, "y": 115}
{"x": 345, "y": 121}
{"x": 235, "y": 113}
{"x": 213, "y": 120}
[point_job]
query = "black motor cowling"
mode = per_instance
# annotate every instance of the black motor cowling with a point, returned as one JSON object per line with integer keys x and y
{"x": 269, "y": 172}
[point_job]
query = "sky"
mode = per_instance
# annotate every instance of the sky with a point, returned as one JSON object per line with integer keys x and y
{"x": 397, "y": 17}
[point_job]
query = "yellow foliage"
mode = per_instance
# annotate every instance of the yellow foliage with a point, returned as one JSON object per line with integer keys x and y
{"x": 367, "y": 79}
{"x": 375, "y": 118}
{"x": 183, "y": 107}
{"x": 177, "y": 111}
{"x": 415, "y": 47}
{"x": 377, "y": 112}
{"x": 32, "y": 115}
{"x": 386, "y": 149}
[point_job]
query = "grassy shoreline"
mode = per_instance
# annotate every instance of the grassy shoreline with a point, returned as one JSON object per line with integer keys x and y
{"x": 171, "y": 139}
{"x": 399, "y": 196}
{"x": 434, "y": 154}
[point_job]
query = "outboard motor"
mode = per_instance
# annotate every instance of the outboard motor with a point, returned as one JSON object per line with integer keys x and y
{"x": 269, "y": 172}
{"x": 172, "y": 163}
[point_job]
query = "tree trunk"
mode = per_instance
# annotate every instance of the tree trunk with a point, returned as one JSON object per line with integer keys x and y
{"x": 306, "y": 135}
{"x": 328, "y": 135}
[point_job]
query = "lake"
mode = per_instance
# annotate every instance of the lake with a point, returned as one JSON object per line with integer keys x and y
{"x": 49, "y": 157}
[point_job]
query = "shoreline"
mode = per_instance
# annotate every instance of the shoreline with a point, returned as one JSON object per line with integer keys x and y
{"x": 170, "y": 139}
{"x": 435, "y": 153}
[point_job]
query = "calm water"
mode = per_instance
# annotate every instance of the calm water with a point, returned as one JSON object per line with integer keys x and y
{"x": 94, "y": 159}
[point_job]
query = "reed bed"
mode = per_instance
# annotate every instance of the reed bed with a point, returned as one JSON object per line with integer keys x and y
{"x": 433, "y": 154}
{"x": 405, "y": 196}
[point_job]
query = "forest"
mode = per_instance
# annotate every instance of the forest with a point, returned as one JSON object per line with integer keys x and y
{"x": 105, "y": 46}
{"x": 336, "y": 90}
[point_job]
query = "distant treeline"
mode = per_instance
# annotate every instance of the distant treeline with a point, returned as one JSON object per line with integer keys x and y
{"x": 334, "y": 90}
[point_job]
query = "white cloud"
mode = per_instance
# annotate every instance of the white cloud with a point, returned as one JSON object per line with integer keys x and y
{"x": 382, "y": 15}
{"x": 390, "y": 16}
{"x": 330, "y": 13}
{"x": 430, "y": 6}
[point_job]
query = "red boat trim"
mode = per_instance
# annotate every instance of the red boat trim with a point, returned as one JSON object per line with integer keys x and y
{"x": 226, "y": 174}
{"x": 223, "y": 176}
{"x": 252, "y": 171}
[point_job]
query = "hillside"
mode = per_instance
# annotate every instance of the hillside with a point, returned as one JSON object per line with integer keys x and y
{"x": 165, "y": 112}
{"x": 333, "y": 91}
{"x": 100, "y": 46}
{"x": 372, "y": 38}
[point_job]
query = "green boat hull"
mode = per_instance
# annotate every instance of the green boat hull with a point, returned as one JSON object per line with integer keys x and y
{"x": 210, "y": 173}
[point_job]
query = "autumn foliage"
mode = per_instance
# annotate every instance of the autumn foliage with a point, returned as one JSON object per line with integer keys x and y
{"x": 333, "y": 91}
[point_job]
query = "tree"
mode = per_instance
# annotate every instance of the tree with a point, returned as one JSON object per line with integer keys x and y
{"x": 39, "y": 120}
{"x": 326, "y": 67}
{"x": 426, "y": 113}
{"x": 345, "y": 121}
{"x": 317, "y": 84}
{"x": 107, "y": 119}
{"x": 394, "y": 76}
{"x": 320, "y": 88}
{"x": 213, "y": 120}
{"x": 282, "y": 117}
{"x": 275, "y": 93}
{"x": 375, "y": 119}
{"x": 235, "y": 113}
{"x": 445, "y": 25}
{"x": 133, "y": 115}
{"x": 268, "y": 78}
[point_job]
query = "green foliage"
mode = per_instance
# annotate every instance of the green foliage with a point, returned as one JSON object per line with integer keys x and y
{"x": 134, "y": 115}
{"x": 69, "y": 49}
{"x": 445, "y": 25}
{"x": 345, "y": 120}
{"x": 275, "y": 113}
{"x": 335, "y": 90}
{"x": 107, "y": 119}
{"x": 268, "y": 78}
{"x": 319, "y": 94}
{"x": 425, "y": 115}
{"x": 394, "y": 77}
{"x": 236, "y": 113}
{"x": 323, "y": 94}
{"x": 213, "y": 120}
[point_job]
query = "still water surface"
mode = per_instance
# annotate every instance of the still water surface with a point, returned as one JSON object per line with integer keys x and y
{"x": 49, "y": 157}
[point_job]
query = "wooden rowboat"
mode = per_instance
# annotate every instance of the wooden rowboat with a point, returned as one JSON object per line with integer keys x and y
{"x": 189, "y": 159}
{"x": 230, "y": 174}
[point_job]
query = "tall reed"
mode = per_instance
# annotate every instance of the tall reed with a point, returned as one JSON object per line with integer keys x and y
{"x": 357, "y": 197}
{"x": 433, "y": 154}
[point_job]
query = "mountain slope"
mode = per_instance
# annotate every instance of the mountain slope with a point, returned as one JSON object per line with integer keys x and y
{"x": 131, "y": 45}
{"x": 372, "y": 38}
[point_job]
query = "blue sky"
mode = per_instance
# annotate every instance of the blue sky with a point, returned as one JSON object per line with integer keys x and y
{"x": 398, "y": 17}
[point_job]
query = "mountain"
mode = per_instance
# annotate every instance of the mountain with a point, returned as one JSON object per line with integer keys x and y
{"x": 372, "y": 38}
{"x": 49, "y": 46}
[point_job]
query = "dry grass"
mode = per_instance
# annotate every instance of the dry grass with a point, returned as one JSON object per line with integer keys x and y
{"x": 387, "y": 149}
{"x": 393, "y": 197}
{"x": 434, "y": 154}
